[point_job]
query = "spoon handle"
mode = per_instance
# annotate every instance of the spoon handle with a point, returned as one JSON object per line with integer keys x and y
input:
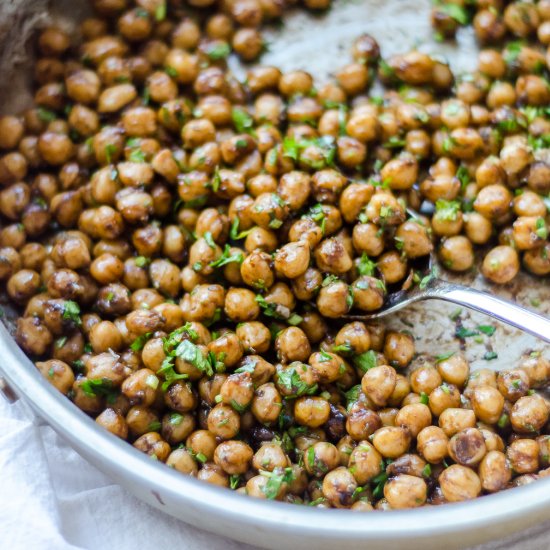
{"x": 500, "y": 309}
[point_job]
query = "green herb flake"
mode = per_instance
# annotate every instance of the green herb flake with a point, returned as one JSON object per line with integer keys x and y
{"x": 110, "y": 150}
{"x": 447, "y": 210}
{"x": 269, "y": 309}
{"x": 424, "y": 399}
{"x": 394, "y": 142}
{"x": 136, "y": 155}
{"x": 294, "y": 319}
{"x": 209, "y": 240}
{"x": 463, "y": 333}
{"x": 160, "y": 12}
{"x": 352, "y": 395}
{"x": 202, "y": 458}
{"x": 234, "y": 481}
{"x": 540, "y": 229}
{"x": 140, "y": 341}
{"x": 219, "y": 51}
{"x": 154, "y": 426}
{"x": 45, "y": 115}
{"x": 141, "y": 261}
{"x": 455, "y": 314}
{"x": 60, "y": 342}
{"x": 489, "y": 330}
{"x": 275, "y": 223}
{"x": 458, "y": 13}
{"x": 503, "y": 421}
{"x": 241, "y": 409}
{"x": 71, "y": 311}
{"x": 191, "y": 353}
{"x": 227, "y": 258}
{"x": 290, "y": 380}
{"x": 490, "y": 355}
{"x": 175, "y": 419}
{"x": 275, "y": 481}
{"x": 443, "y": 357}
{"x": 366, "y": 266}
{"x": 96, "y": 388}
{"x": 234, "y": 233}
{"x": 242, "y": 121}
{"x": 366, "y": 361}
{"x": 425, "y": 281}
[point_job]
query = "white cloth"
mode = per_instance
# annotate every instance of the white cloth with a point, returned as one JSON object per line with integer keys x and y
{"x": 52, "y": 499}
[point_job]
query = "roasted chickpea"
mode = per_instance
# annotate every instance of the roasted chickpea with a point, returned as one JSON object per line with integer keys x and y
{"x": 459, "y": 483}
{"x": 432, "y": 444}
{"x": 501, "y": 264}
{"x": 523, "y": 456}
{"x": 494, "y": 472}
{"x": 391, "y": 441}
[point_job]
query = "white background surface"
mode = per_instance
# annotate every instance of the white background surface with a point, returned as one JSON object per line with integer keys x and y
{"x": 52, "y": 499}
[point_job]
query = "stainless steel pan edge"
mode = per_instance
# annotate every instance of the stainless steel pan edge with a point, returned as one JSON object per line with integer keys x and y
{"x": 263, "y": 523}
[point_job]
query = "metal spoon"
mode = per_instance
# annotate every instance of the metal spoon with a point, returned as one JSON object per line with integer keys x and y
{"x": 434, "y": 288}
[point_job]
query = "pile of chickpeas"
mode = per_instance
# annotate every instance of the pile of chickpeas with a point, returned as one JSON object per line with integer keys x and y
{"x": 184, "y": 247}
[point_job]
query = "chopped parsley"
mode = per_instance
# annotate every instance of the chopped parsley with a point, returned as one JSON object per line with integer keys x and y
{"x": 275, "y": 481}
{"x": 234, "y": 481}
{"x": 242, "y": 121}
{"x": 456, "y": 12}
{"x": 110, "y": 150}
{"x": 447, "y": 210}
{"x": 366, "y": 266}
{"x": 140, "y": 341}
{"x": 136, "y": 155}
{"x": 317, "y": 214}
{"x": 425, "y": 281}
{"x": 191, "y": 353}
{"x": 216, "y": 180}
{"x": 378, "y": 482}
{"x": 227, "y": 258}
{"x": 352, "y": 395}
{"x": 209, "y": 240}
{"x": 489, "y": 330}
{"x": 290, "y": 380}
{"x": 71, "y": 311}
{"x": 365, "y": 361}
{"x": 234, "y": 233}
{"x": 443, "y": 357}
{"x": 219, "y": 51}
{"x": 463, "y": 333}
{"x": 99, "y": 388}
{"x": 60, "y": 342}
{"x": 293, "y": 149}
{"x": 395, "y": 142}
{"x": 45, "y": 115}
{"x": 540, "y": 228}
{"x": 490, "y": 355}
{"x": 160, "y": 12}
